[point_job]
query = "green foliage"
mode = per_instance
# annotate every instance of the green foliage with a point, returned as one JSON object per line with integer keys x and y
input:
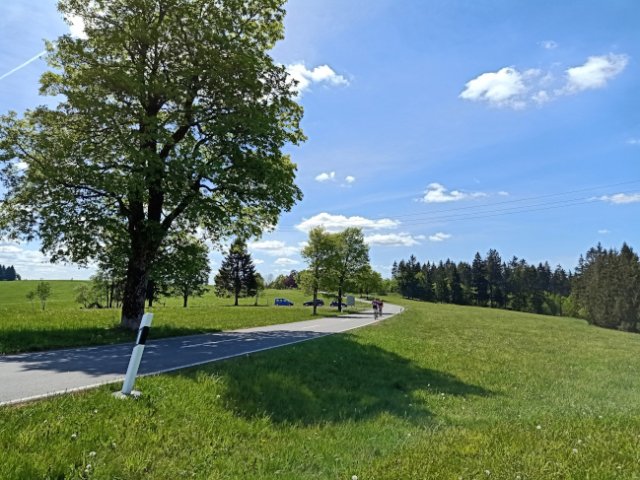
{"x": 440, "y": 392}
{"x": 321, "y": 254}
{"x": 43, "y": 292}
{"x": 514, "y": 285}
{"x": 171, "y": 116}
{"x": 350, "y": 259}
{"x": 237, "y": 274}
{"x": 607, "y": 286}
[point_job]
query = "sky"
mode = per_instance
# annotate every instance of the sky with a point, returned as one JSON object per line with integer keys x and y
{"x": 441, "y": 127}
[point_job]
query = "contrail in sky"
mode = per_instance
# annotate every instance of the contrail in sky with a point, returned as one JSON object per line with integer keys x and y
{"x": 19, "y": 67}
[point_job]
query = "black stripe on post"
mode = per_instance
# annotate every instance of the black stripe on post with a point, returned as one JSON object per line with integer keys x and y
{"x": 142, "y": 336}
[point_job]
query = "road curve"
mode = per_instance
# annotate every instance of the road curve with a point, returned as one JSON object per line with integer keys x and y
{"x": 31, "y": 376}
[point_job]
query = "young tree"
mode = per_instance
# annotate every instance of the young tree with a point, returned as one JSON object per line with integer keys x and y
{"x": 260, "y": 286}
{"x": 186, "y": 268}
{"x": 43, "y": 291}
{"x": 31, "y": 296}
{"x": 237, "y": 274}
{"x": 352, "y": 256}
{"x": 320, "y": 254}
{"x": 169, "y": 112}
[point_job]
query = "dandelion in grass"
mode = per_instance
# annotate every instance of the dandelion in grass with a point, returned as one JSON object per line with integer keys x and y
{"x": 575, "y": 450}
{"x": 92, "y": 454}
{"x": 354, "y": 477}
{"x": 74, "y": 436}
{"x": 487, "y": 472}
{"x": 538, "y": 427}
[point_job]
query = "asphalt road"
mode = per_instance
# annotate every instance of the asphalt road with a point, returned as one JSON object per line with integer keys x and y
{"x": 30, "y": 376}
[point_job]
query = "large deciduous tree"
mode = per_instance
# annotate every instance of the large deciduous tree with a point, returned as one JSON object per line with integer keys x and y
{"x": 320, "y": 253}
{"x": 352, "y": 256}
{"x": 168, "y": 111}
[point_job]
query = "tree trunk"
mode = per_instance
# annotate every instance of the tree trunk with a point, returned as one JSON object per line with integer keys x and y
{"x": 237, "y": 294}
{"x": 135, "y": 292}
{"x": 340, "y": 298}
{"x": 315, "y": 298}
{"x": 184, "y": 300}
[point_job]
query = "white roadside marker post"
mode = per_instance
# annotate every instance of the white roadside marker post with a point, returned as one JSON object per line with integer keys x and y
{"x": 134, "y": 362}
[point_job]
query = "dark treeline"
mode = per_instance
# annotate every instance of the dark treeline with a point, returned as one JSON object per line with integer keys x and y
{"x": 487, "y": 281}
{"x": 8, "y": 273}
{"x": 604, "y": 289}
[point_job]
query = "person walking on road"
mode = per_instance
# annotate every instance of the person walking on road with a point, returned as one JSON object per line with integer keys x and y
{"x": 380, "y": 305}
{"x": 374, "y": 304}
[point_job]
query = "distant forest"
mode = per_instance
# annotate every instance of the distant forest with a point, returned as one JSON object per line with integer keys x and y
{"x": 604, "y": 288}
{"x": 8, "y": 274}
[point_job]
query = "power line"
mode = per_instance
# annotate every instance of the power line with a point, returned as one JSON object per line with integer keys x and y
{"x": 480, "y": 211}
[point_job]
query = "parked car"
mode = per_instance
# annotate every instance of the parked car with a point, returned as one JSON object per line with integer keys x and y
{"x": 319, "y": 303}
{"x": 335, "y": 304}
{"x": 282, "y": 302}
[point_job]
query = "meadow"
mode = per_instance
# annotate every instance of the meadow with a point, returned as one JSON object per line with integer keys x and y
{"x": 24, "y": 326}
{"x": 438, "y": 392}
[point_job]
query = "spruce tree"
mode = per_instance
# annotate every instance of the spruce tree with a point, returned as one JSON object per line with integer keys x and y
{"x": 237, "y": 274}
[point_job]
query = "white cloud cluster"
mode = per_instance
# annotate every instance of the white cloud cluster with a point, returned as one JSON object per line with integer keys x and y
{"x": 274, "y": 248}
{"x": 437, "y": 193}
{"x": 549, "y": 44}
{"x": 633, "y": 141}
{"x": 392, "y": 240}
{"x": 33, "y": 265}
{"x": 439, "y": 237}
{"x": 322, "y": 74}
{"x": 286, "y": 262}
{"x": 604, "y": 231}
{"x": 325, "y": 177}
{"x": 336, "y": 223}
{"x": 621, "y": 198}
{"x": 512, "y": 88}
{"x": 595, "y": 73}
{"x": 331, "y": 177}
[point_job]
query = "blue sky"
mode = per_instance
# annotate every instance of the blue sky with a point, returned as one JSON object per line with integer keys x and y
{"x": 442, "y": 127}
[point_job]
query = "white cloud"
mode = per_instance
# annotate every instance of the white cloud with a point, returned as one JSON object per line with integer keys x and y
{"x": 549, "y": 44}
{"x": 512, "y": 88}
{"x": 285, "y": 262}
{"x": 321, "y": 74}
{"x": 502, "y": 88}
{"x": 392, "y": 240}
{"x": 604, "y": 231}
{"x": 439, "y": 237}
{"x": 257, "y": 261}
{"x": 325, "y": 177}
{"x": 274, "y": 248}
{"x": 349, "y": 179}
{"x": 503, "y": 193}
{"x": 621, "y": 198}
{"x": 437, "y": 193}
{"x": 336, "y": 223}
{"x": 633, "y": 141}
{"x": 595, "y": 73}
{"x": 76, "y": 27}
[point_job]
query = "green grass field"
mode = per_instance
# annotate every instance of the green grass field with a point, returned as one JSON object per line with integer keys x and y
{"x": 439, "y": 392}
{"x": 63, "y": 323}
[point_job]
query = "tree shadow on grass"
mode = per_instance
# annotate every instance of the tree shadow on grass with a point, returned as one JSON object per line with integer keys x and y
{"x": 333, "y": 379}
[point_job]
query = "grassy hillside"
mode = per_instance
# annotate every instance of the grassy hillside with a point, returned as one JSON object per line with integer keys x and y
{"x": 440, "y": 392}
{"x": 63, "y": 323}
